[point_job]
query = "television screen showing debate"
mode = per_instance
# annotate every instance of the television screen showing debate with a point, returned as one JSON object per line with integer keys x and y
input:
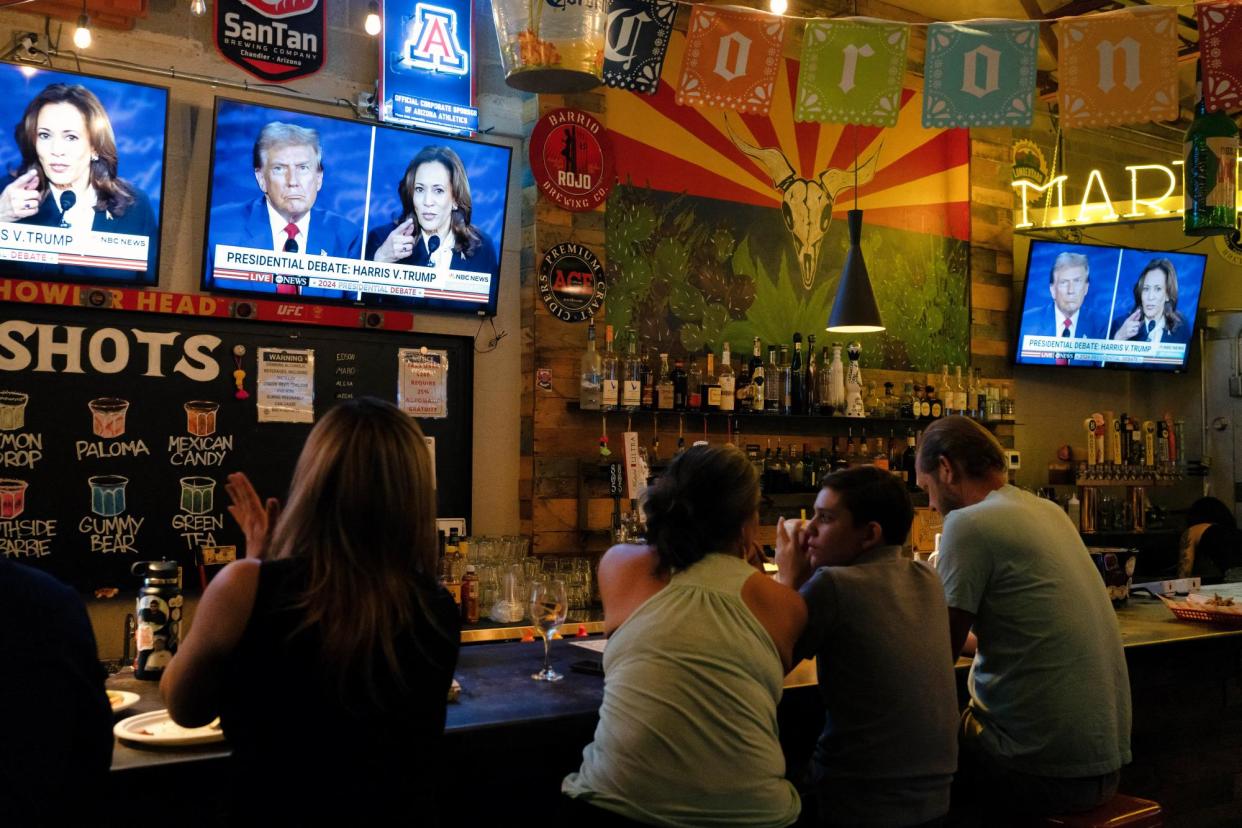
{"x": 1093, "y": 306}
{"x": 81, "y": 177}
{"x": 317, "y": 208}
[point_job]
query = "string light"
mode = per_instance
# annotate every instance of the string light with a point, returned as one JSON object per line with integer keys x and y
{"x": 778, "y": 6}
{"x": 198, "y": 8}
{"x": 373, "y": 26}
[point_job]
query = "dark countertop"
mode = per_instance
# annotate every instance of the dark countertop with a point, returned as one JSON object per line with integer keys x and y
{"x": 497, "y": 690}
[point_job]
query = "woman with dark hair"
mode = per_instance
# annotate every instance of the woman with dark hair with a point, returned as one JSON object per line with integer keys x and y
{"x": 1211, "y": 546}
{"x": 328, "y": 651}
{"x": 68, "y": 175}
{"x": 434, "y": 228}
{"x": 700, "y": 642}
{"x": 1154, "y": 317}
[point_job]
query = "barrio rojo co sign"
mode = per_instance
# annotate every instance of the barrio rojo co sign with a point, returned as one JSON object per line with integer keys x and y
{"x": 275, "y": 40}
{"x": 571, "y": 159}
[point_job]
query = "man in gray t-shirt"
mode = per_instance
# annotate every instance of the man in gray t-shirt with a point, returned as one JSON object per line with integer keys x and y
{"x": 1048, "y": 726}
{"x": 877, "y": 627}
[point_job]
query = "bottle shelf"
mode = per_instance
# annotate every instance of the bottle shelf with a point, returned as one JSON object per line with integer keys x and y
{"x": 841, "y": 423}
{"x": 1127, "y": 482}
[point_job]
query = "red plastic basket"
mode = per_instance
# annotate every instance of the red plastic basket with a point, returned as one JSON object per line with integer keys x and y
{"x": 1191, "y": 612}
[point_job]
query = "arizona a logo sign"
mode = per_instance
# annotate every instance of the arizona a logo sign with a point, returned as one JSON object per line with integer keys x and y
{"x": 425, "y": 65}
{"x": 275, "y": 40}
{"x": 571, "y": 159}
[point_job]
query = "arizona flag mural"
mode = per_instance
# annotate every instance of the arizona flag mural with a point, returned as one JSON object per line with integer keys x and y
{"x": 727, "y": 226}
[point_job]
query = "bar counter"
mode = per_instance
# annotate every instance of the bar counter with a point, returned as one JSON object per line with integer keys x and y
{"x": 1182, "y": 674}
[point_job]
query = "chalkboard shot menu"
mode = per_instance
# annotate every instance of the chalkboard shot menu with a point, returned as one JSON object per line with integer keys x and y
{"x": 118, "y": 430}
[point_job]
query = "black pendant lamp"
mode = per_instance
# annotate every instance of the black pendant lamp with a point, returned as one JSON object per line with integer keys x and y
{"x": 854, "y": 309}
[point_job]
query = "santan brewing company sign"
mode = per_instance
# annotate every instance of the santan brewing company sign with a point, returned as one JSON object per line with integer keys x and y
{"x": 1155, "y": 192}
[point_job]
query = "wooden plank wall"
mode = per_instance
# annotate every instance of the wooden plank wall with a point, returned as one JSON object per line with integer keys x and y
{"x": 557, "y": 439}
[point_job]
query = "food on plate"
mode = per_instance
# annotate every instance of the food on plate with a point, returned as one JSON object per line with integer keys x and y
{"x": 106, "y": 592}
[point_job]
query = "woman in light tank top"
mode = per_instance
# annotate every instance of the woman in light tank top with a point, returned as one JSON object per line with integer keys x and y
{"x": 699, "y": 645}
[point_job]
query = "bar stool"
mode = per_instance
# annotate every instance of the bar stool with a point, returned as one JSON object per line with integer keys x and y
{"x": 1121, "y": 810}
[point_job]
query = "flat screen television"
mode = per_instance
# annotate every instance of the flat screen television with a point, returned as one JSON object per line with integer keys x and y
{"x": 81, "y": 177}
{"x": 323, "y": 209}
{"x": 1091, "y": 306}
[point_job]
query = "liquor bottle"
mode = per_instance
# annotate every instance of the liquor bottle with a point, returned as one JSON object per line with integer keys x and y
{"x": 888, "y": 403}
{"x": 993, "y": 395}
{"x": 612, "y": 375}
{"x": 694, "y": 386}
{"x": 937, "y": 405}
{"x": 864, "y": 449}
{"x": 1211, "y": 155}
{"x": 631, "y": 376}
{"x": 945, "y": 390}
{"x": 664, "y": 398}
{"x": 851, "y": 450}
{"x": 590, "y": 376}
{"x": 765, "y": 479}
{"x": 680, "y": 386}
{"x": 797, "y": 469}
{"x": 959, "y": 393}
{"x": 879, "y": 457}
{"x": 811, "y": 384}
{"x": 650, "y": 376}
{"x": 972, "y": 395}
{"x": 906, "y": 410}
{"x": 772, "y": 383}
{"x": 854, "y": 382}
{"x": 836, "y": 460}
{"x": 836, "y": 381}
{"x": 1006, "y": 405}
{"x": 907, "y": 460}
{"x": 896, "y": 449}
{"x": 922, "y": 405}
{"x": 727, "y": 381}
{"x": 981, "y": 396}
{"x": 794, "y": 392}
{"x": 741, "y": 393}
{"x": 709, "y": 392}
{"x": 781, "y": 474}
{"x": 783, "y": 384}
{"x": 824, "y": 394}
{"x": 758, "y": 399}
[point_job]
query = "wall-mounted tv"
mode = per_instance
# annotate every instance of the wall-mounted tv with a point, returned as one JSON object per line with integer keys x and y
{"x": 316, "y": 208}
{"x": 81, "y": 176}
{"x": 1089, "y": 305}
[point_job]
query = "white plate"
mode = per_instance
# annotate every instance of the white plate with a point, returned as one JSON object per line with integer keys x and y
{"x": 157, "y": 728}
{"x": 121, "y": 700}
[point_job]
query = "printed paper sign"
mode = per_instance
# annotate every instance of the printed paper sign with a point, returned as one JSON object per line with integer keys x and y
{"x": 637, "y": 37}
{"x": 980, "y": 74}
{"x": 285, "y": 387}
{"x": 1220, "y": 31}
{"x": 851, "y": 72}
{"x": 1118, "y": 68}
{"x": 422, "y": 382}
{"x": 731, "y": 59}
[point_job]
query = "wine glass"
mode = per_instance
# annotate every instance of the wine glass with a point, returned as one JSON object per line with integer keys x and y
{"x": 547, "y": 612}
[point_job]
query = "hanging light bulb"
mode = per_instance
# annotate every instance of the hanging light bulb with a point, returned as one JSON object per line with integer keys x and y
{"x": 198, "y": 8}
{"x": 373, "y": 26}
{"x": 778, "y": 6}
{"x": 82, "y": 35}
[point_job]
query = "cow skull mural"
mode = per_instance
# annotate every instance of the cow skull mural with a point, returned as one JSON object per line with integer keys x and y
{"x": 806, "y": 203}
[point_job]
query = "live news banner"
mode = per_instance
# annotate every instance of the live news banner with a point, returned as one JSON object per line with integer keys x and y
{"x": 245, "y": 264}
{"x": 1103, "y": 350}
{"x": 37, "y": 244}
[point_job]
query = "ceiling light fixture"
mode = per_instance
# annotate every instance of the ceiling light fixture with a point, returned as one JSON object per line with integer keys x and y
{"x": 373, "y": 26}
{"x": 82, "y": 34}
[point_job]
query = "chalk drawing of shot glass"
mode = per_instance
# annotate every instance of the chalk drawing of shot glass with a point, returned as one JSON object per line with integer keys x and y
{"x": 200, "y": 417}
{"x": 107, "y": 494}
{"x": 108, "y": 416}
{"x": 13, "y": 410}
{"x": 12, "y": 497}
{"x": 198, "y": 495}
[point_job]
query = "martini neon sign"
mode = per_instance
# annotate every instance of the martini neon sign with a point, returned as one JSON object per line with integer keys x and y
{"x": 1155, "y": 192}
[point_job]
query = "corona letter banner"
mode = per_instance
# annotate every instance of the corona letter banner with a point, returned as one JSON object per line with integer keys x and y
{"x": 635, "y": 42}
{"x": 1118, "y": 67}
{"x": 731, "y": 60}
{"x": 1220, "y": 32}
{"x": 851, "y": 72}
{"x": 425, "y": 65}
{"x": 980, "y": 74}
